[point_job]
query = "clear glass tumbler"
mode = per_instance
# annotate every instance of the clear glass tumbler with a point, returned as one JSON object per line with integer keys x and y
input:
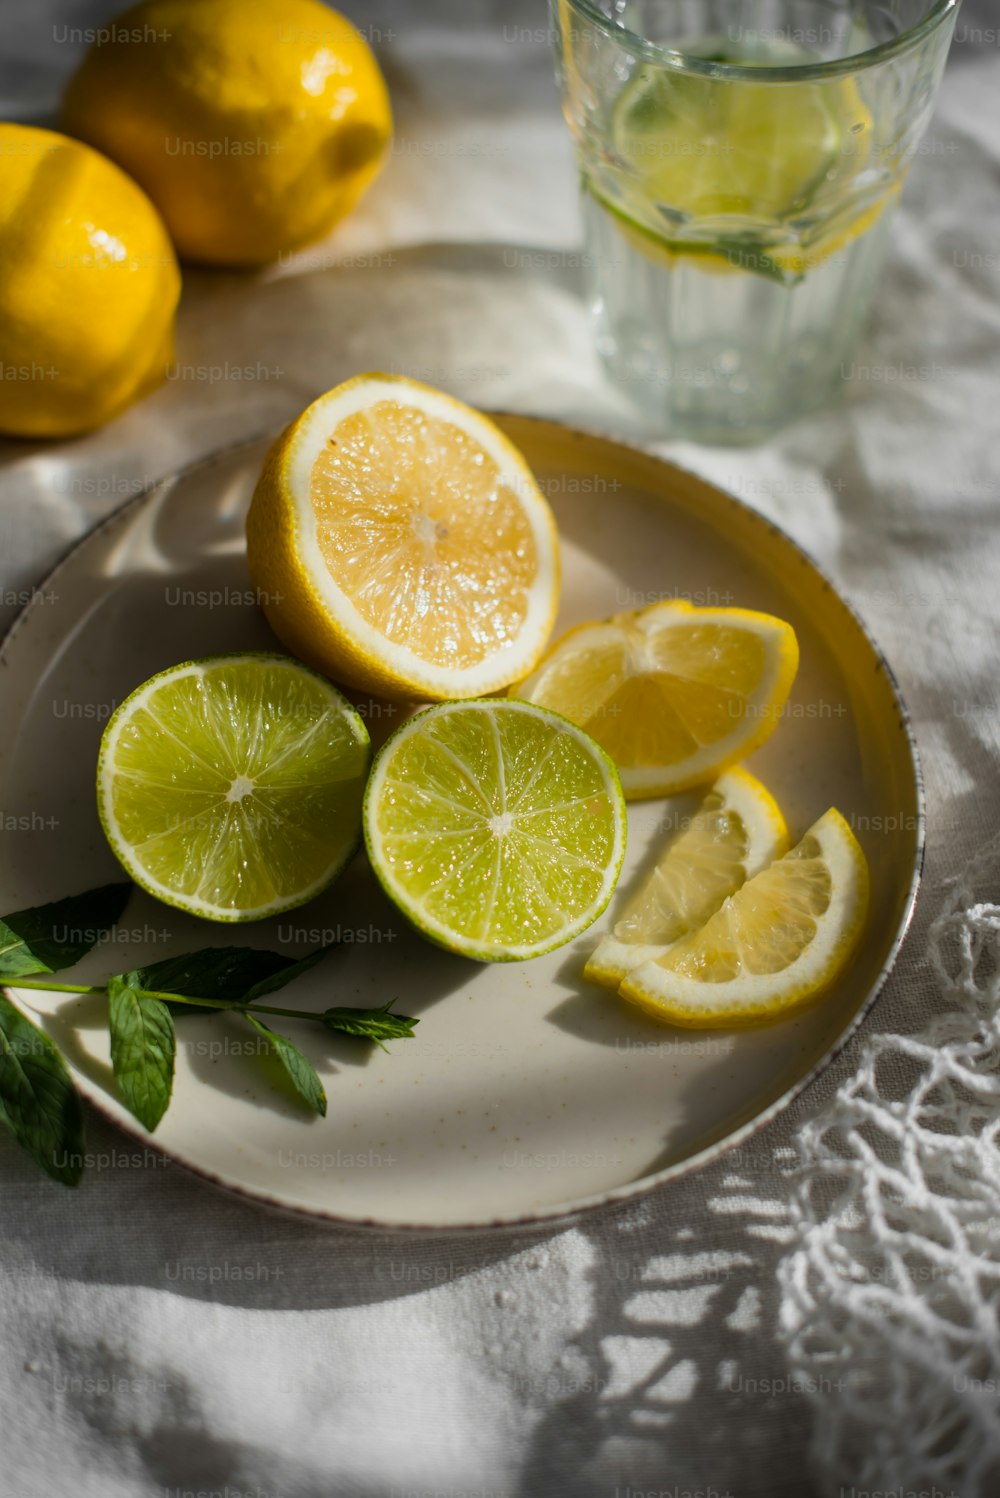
{"x": 739, "y": 163}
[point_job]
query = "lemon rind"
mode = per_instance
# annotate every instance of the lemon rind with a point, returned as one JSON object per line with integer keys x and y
{"x": 332, "y": 634}
{"x": 613, "y": 960}
{"x": 762, "y": 998}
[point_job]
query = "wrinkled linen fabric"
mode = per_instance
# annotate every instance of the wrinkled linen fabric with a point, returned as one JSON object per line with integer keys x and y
{"x": 689, "y": 1343}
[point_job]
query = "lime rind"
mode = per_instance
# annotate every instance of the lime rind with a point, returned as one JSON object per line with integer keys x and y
{"x": 236, "y": 800}
{"x": 496, "y": 827}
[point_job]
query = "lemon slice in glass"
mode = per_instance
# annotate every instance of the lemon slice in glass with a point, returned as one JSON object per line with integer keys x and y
{"x": 496, "y": 827}
{"x": 231, "y": 787}
{"x": 778, "y": 942}
{"x": 736, "y": 831}
{"x": 709, "y": 162}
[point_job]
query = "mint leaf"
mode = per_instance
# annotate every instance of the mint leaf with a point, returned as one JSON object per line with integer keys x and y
{"x": 749, "y": 257}
{"x": 370, "y": 1024}
{"x": 226, "y": 975}
{"x": 45, "y": 938}
{"x": 38, "y": 1102}
{"x": 285, "y": 974}
{"x": 302, "y": 1072}
{"x": 142, "y": 1048}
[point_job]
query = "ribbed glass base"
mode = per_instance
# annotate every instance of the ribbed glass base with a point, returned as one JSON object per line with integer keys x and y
{"x": 719, "y": 353}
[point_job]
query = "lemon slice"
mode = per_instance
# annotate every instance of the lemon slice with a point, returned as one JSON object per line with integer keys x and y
{"x": 737, "y": 830}
{"x": 710, "y": 146}
{"x": 780, "y": 940}
{"x": 497, "y": 828}
{"x": 400, "y": 543}
{"x": 708, "y": 162}
{"x": 231, "y": 787}
{"x": 674, "y": 693}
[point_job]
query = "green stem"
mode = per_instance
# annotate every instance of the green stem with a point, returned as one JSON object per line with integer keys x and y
{"x": 168, "y": 998}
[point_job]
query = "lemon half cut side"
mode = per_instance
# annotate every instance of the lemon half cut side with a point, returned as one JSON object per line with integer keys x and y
{"x": 401, "y": 544}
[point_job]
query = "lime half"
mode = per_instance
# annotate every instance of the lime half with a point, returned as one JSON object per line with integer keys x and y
{"x": 497, "y": 827}
{"x": 231, "y": 787}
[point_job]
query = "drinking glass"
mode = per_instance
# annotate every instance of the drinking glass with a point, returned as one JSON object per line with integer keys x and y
{"x": 739, "y": 165}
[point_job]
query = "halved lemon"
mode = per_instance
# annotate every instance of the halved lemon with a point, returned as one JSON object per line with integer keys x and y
{"x": 231, "y": 787}
{"x": 778, "y": 942}
{"x": 737, "y": 830}
{"x": 674, "y": 693}
{"x": 496, "y": 827}
{"x": 400, "y": 543}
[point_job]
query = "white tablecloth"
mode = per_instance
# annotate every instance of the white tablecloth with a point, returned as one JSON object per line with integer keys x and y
{"x": 162, "y": 1339}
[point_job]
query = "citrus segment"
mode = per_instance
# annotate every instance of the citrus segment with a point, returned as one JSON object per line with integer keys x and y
{"x": 498, "y": 828}
{"x": 673, "y": 693}
{"x": 231, "y": 787}
{"x": 736, "y": 831}
{"x": 780, "y": 940}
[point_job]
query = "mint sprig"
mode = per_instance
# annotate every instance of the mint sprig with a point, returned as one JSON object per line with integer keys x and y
{"x": 38, "y": 1101}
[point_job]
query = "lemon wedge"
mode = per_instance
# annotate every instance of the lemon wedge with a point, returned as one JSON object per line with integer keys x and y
{"x": 778, "y": 942}
{"x": 737, "y": 830}
{"x": 675, "y": 694}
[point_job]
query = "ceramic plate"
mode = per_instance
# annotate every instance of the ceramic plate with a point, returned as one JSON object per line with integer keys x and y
{"x": 526, "y": 1094}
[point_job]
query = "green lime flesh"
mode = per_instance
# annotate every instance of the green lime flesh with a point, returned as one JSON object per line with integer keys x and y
{"x": 496, "y": 826}
{"x": 232, "y": 787}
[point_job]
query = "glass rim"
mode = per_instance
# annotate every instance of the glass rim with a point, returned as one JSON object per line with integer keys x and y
{"x": 677, "y": 58}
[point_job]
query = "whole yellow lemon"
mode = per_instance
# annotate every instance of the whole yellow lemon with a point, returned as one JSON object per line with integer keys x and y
{"x": 88, "y": 287}
{"x": 254, "y": 125}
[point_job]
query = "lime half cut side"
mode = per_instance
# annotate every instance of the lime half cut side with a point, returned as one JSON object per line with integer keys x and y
{"x": 232, "y": 787}
{"x": 497, "y": 827}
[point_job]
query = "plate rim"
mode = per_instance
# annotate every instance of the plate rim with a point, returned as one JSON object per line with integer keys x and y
{"x": 564, "y": 1214}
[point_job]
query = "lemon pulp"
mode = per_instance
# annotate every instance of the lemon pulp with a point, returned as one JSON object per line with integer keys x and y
{"x": 419, "y": 526}
{"x": 401, "y": 543}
